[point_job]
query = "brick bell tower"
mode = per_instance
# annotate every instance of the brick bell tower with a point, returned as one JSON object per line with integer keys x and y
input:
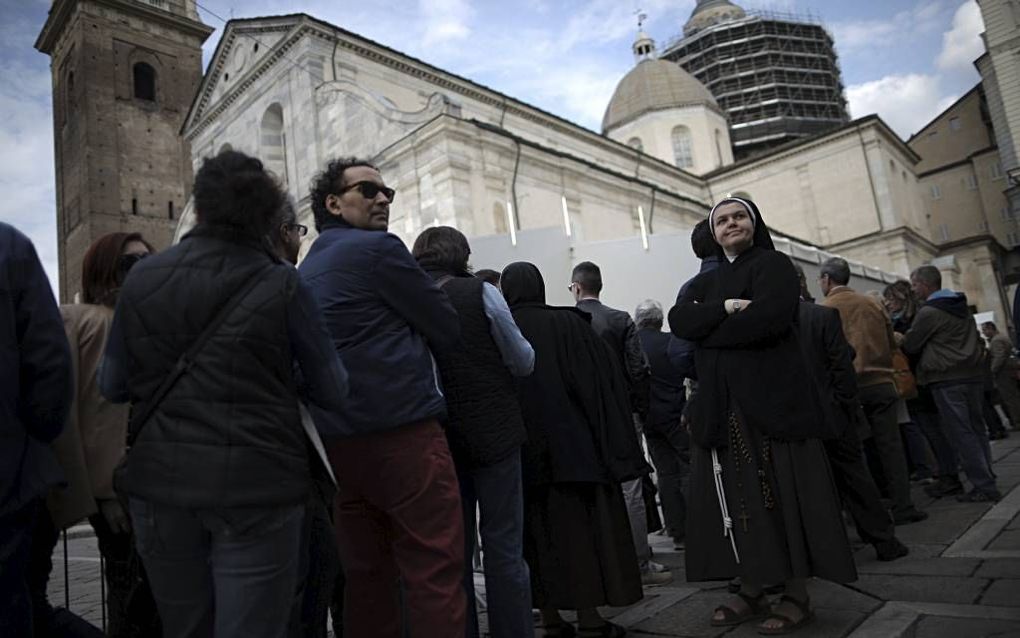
{"x": 124, "y": 75}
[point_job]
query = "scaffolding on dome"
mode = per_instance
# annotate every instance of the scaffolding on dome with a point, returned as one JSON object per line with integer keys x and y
{"x": 775, "y": 75}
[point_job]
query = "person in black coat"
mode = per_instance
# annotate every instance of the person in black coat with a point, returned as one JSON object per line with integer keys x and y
{"x": 218, "y": 475}
{"x": 581, "y": 446}
{"x": 830, "y": 366}
{"x": 35, "y": 396}
{"x": 668, "y": 442}
{"x": 757, "y": 462}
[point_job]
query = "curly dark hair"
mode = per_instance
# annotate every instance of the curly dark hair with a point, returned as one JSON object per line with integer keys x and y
{"x": 442, "y": 248}
{"x": 235, "y": 192}
{"x": 331, "y": 181}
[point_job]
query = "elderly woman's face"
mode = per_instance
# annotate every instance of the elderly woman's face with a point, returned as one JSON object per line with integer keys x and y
{"x": 733, "y": 227}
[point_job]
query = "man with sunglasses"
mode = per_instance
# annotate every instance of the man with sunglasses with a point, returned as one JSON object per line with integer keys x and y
{"x": 286, "y": 237}
{"x": 397, "y": 513}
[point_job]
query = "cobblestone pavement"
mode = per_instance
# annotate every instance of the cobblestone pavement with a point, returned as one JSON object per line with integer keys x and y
{"x": 961, "y": 579}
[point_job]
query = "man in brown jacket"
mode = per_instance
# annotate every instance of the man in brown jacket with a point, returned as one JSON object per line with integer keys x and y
{"x": 869, "y": 331}
{"x": 1000, "y": 349}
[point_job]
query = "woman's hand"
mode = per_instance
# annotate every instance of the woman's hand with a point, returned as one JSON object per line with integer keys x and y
{"x": 115, "y": 515}
{"x": 736, "y": 305}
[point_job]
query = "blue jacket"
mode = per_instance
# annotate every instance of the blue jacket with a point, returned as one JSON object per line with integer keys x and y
{"x": 35, "y": 374}
{"x": 383, "y": 313}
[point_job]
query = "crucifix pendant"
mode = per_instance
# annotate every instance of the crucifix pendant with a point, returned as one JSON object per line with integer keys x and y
{"x": 743, "y": 520}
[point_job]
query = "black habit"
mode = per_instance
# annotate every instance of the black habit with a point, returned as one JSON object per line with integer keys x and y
{"x": 581, "y": 444}
{"x": 756, "y": 405}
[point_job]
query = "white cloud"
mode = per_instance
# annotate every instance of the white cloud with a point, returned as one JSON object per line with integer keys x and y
{"x": 962, "y": 44}
{"x": 445, "y": 21}
{"x": 858, "y": 35}
{"x": 905, "y": 102}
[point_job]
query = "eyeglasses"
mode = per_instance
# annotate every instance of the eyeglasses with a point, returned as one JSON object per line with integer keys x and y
{"x": 369, "y": 190}
{"x": 571, "y": 285}
{"x": 301, "y": 229}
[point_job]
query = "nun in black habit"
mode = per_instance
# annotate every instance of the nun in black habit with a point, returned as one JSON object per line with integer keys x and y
{"x": 762, "y": 501}
{"x": 581, "y": 445}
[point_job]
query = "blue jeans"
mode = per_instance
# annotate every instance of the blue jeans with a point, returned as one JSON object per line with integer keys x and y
{"x": 960, "y": 408}
{"x": 220, "y": 572}
{"x": 497, "y": 491}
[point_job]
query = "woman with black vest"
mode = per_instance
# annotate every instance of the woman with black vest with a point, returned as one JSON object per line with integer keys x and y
{"x": 485, "y": 429}
{"x": 203, "y": 344}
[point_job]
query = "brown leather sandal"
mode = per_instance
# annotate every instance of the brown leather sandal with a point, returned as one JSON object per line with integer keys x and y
{"x": 757, "y": 608}
{"x": 789, "y": 624}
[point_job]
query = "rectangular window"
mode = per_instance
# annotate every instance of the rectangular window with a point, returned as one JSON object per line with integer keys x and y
{"x": 936, "y": 192}
{"x": 170, "y": 209}
{"x": 983, "y": 227}
{"x": 996, "y": 169}
{"x": 1004, "y": 213}
{"x": 134, "y": 206}
{"x": 1013, "y": 238}
{"x": 971, "y": 182}
{"x": 943, "y": 232}
{"x": 954, "y": 124}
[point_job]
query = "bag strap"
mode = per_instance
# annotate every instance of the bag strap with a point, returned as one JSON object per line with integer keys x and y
{"x": 187, "y": 359}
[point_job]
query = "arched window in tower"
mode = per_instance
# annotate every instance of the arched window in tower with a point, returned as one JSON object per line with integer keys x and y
{"x": 683, "y": 155}
{"x": 718, "y": 148}
{"x": 273, "y": 142}
{"x": 635, "y": 143}
{"x": 144, "y": 81}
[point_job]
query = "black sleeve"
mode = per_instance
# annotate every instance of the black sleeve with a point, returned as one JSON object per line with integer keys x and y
{"x": 691, "y": 318}
{"x": 840, "y": 364}
{"x": 771, "y": 313}
{"x": 45, "y": 358}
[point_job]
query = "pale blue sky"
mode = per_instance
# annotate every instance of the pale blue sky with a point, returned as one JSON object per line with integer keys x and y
{"x": 904, "y": 59}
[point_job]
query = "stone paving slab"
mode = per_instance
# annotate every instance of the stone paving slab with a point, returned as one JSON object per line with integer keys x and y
{"x": 1004, "y": 592}
{"x": 1008, "y": 539}
{"x": 897, "y": 619}
{"x": 828, "y": 623}
{"x": 940, "y": 589}
{"x": 916, "y": 565}
{"x": 941, "y": 627}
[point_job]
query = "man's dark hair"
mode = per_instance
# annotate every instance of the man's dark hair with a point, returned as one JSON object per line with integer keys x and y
{"x": 233, "y": 191}
{"x": 330, "y": 182}
{"x": 701, "y": 240}
{"x": 488, "y": 275}
{"x": 286, "y": 215}
{"x": 929, "y": 276}
{"x": 442, "y": 248}
{"x": 805, "y": 294}
{"x": 102, "y": 270}
{"x": 588, "y": 276}
{"x": 837, "y": 270}
{"x": 990, "y": 325}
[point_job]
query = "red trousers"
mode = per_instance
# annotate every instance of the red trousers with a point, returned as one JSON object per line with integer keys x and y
{"x": 399, "y": 523}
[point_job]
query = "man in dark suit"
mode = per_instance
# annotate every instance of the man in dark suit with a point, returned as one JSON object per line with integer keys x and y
{"x": 618, "y": 330}
{"x": 830, "y": 362}
{"x": 668, "y": 443}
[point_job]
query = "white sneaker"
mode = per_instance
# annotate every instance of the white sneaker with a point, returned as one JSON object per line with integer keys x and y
{"x": 656, "y": 574}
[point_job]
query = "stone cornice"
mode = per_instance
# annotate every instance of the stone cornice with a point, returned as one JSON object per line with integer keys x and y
{"x": 908, "y": 234}
{"x": 198, "y": 119}
{"x": 302, "y": 24}
{"x": 61, "y": 10}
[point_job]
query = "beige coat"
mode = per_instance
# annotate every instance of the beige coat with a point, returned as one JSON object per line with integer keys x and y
{"x": 869, "y": 331}
{"x": 95, "y": 437}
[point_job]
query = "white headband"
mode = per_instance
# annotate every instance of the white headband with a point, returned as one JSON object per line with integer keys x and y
{"x": 743, "y": 202}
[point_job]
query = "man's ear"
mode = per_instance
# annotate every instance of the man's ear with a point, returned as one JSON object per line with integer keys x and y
{"x": 333, "y": 204}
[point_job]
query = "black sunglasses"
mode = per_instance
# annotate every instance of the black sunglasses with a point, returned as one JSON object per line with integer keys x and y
{"x": 370, "y": 189}
{"x": 301, "y": 229}
{"x": 126, "y": 262}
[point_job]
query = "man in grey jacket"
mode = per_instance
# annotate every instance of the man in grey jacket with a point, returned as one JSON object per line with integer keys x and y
{"x": 946, "y": 341}
{"x": 1000, "y": 349}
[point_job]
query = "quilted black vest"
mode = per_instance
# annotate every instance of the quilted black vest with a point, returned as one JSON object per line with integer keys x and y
{"x": 484, "y": 423}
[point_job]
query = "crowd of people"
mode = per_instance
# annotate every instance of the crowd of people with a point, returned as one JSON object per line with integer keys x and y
{"x": 261, "y": 445}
